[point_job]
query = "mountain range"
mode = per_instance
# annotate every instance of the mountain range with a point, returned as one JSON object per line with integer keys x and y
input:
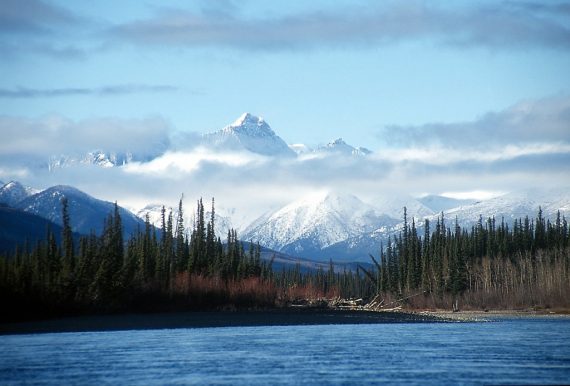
{"x": 248, "y": 133}
{"x": 87, "y": 213}
{"x": 344, "y": 228}
{"x": 322, "y": 225}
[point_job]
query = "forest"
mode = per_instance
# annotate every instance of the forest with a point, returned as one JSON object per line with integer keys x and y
{"x": 170, "y": 268}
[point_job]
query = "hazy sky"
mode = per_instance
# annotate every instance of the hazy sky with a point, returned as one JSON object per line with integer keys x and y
{"x": 476, "y": 93}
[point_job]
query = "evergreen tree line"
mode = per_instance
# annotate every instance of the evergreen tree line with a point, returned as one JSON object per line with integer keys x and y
{"x": 488, "y": 265}
{"x": 155, "y": 268}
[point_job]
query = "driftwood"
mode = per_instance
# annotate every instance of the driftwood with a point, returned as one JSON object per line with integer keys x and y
{"x": 377, "y": 304}
{"x": 351, "y": 304}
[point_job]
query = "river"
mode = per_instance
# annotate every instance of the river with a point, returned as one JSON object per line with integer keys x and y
{"x": 506, "y": 351}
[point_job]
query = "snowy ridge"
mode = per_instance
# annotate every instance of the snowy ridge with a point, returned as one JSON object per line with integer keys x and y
{"x": 13, "y": 192}
{"x": 315, "y": 222}
{"x": 326, "y": 225}
{"x": 339, "y": 146}
{"x": 96, "y": 157}
{"x": 86, "y": 212}
{"x": 248, "y": 133}
{"x": 513, "y": 206}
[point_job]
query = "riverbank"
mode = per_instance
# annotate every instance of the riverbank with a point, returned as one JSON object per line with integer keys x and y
{"x": 276, "y": 317}
{"x": 494, "y": 315}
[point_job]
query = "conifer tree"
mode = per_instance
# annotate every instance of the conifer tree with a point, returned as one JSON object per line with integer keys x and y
{"x": 67, "y": 239}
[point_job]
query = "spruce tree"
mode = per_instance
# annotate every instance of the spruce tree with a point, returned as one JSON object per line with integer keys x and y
{"x": 67, "y": 239}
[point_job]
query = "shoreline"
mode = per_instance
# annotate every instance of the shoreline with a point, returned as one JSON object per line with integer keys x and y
{"x": 255, "y": 318}
{"x": 212, "y": 319}
{"x": 493, "y": 315}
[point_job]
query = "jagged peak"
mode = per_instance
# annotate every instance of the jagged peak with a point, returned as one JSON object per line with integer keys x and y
{"x": 65, "y": 190}
{"x": 13, "y": 184}
{"x": 246, "y": 118}
{"x": 250, "y": 125}
{"x": 18, "y": 188}
{"x": 336, "y": 142}
{"x": 339, "y": 145}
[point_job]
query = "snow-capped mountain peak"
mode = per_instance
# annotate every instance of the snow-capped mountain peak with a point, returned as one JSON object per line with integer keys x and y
{"x": 13, "y": 192}
{"x": 87, "y": 213}
{"x": 250, "y": 125}
{"x": 311, "y": 223}
{"x": 250, "y": 133}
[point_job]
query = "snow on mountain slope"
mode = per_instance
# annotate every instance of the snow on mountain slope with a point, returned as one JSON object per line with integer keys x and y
{"x": 104, "y": 158}
{"x": 250, "y": 133}
{"x": 508, "y": 207}
{"x": 86, "y": 212}
{"x": 513, "y": 206}
{"x": 96, "y": 157}
{"x": 13, "y": 192}
{"x": 314, "y": 222}
{"x": 339, "y": 146}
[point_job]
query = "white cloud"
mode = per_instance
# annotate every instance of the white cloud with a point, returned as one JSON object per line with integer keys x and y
{"x": 439, "y": 155}
{"x": 474, "y": 194}
{"x": 532, "y": 122}
{"x": 503, "y": 25}
{"x": 191, "y": 161}
{"x": 55, "y": 134}
{"x": 13, "y": 173}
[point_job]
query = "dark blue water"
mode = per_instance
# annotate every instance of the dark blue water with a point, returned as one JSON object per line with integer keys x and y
{"x": 508, "y": 351}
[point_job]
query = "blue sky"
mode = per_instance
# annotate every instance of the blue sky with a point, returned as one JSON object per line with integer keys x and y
{"x": 311, "y": 82}
{"x": 457, "y": 96}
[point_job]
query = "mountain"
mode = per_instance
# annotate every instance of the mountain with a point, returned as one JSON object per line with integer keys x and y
{"x": 281, "y": 261}
{"x": 508, "y": 207}
{"x": 339, "y": 146}
{"x": 440, "y": 204}
{"x": 343, "y": 228}
{"x": 103, "y": 158}
{"x": 513, "y": 206}
{"x": 249, "y": 133}
{"x": 18, "y": 228}
{"x": 13, "y": 192}
{"x": 310, "y": 224}
{"x": 336, "y": 147}
{"x": 86, "y": 213}
{"x": 96, "y": 157}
